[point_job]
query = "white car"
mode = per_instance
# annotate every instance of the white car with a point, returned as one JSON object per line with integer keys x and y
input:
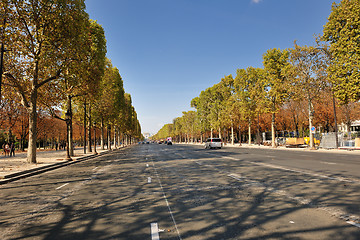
{"x": 213, "y": 143}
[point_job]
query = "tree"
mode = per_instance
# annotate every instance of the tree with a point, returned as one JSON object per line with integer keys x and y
{"x": 211, "y": 104}
{"x": 42, "y": 40}
{"x": 204, "y": 104}
{"x": 250, "y": 94}
{"x": 178, "y": 128}
{"x": 227, "y": 116}
{"x": 164, "y": 132}
{"x": 201, "y": 104}
{"x": 191, "y": 125}
{"x": 276, "y": 65}
{"x": 95, "y": 69}
{"x": 342, "y": 31}
{"x": 308, "y": 77}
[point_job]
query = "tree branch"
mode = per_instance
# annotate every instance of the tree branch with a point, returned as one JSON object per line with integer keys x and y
{"x": 53, "y": 114}
{"x": 49, "y": 79}
{"x": 21, "y": 91}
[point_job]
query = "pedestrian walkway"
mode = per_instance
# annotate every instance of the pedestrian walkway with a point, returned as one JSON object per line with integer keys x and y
{"x": 13, "y": 165}
{"x": 349, "y": 150}
{"x": 342, "y": 150}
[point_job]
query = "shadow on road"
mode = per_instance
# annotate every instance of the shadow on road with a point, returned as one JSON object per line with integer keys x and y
{"x": 207, "y": 199}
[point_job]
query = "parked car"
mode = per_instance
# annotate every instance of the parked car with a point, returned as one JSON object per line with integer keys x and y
{"x": 213, "y": 143}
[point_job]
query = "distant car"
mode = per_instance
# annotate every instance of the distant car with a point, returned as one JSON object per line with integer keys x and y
{"x": 213, "y": 143}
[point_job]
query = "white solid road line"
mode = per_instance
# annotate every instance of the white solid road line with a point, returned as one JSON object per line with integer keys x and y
{"x": 62, "y": 186}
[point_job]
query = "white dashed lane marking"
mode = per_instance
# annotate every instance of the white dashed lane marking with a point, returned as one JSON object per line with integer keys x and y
{"x": 154, "y": 231}
{"x": 62, "y": 186}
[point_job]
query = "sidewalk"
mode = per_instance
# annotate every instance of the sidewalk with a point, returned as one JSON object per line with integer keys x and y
{"x": 351, "y": 151}
{"x": 342, "y": 150}
{"x": 11, "y": 167}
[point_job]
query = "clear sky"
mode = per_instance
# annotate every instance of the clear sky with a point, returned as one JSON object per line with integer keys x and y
{"x": 168, "y": 51}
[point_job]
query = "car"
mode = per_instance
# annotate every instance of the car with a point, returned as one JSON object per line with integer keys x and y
{"x": 213, "y": 143}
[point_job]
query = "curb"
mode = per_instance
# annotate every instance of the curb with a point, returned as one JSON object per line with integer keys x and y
{"x": 35, "y": 171}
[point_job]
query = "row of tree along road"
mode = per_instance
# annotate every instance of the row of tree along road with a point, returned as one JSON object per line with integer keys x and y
{"x": 53, "y": 62}
{"x": 297, "y": 89}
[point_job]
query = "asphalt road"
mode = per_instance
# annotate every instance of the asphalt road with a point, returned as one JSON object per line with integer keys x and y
{"x": 189, "y": 193}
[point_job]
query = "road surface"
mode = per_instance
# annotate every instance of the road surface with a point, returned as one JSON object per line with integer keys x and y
{"x": 154, "y": 191}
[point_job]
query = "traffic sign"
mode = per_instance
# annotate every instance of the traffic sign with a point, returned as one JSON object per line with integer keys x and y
{"x": 313, "y": 129}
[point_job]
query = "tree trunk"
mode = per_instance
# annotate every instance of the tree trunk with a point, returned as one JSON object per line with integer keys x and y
{"x": 240, "y": 139}
{"x": 102, "y": 143}
{"x": 296, "y": 126}
{"x": 119, "y": 142}
{"x": 348, "y": 119}
{"x": 115, "y": 132}
{"x": 70, "y": 139}
{"x": 249, "y": 132}
{"x": 258, "y": 130}
{"x": 85, "y": 127}
{"x": 31, "y": 152}
{"x": 10, "y": 136}
{"x": 95, "y": 139}
{"x": 335, "y": 123}
{"x": 311, "y": 116}
{"x": 89, "y": 129}
{"x": 273, "y": 144}
{"x": 67, "y": 140}
{"x": 109, "y": 137}
{"x": 21, "y": 143}
{"x": 232, "y": 134}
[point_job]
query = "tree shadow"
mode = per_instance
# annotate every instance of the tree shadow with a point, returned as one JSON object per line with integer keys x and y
{"x": 116, "y": 202}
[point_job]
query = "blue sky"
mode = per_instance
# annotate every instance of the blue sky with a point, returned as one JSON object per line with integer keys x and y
{"x": 168, "y": 51}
